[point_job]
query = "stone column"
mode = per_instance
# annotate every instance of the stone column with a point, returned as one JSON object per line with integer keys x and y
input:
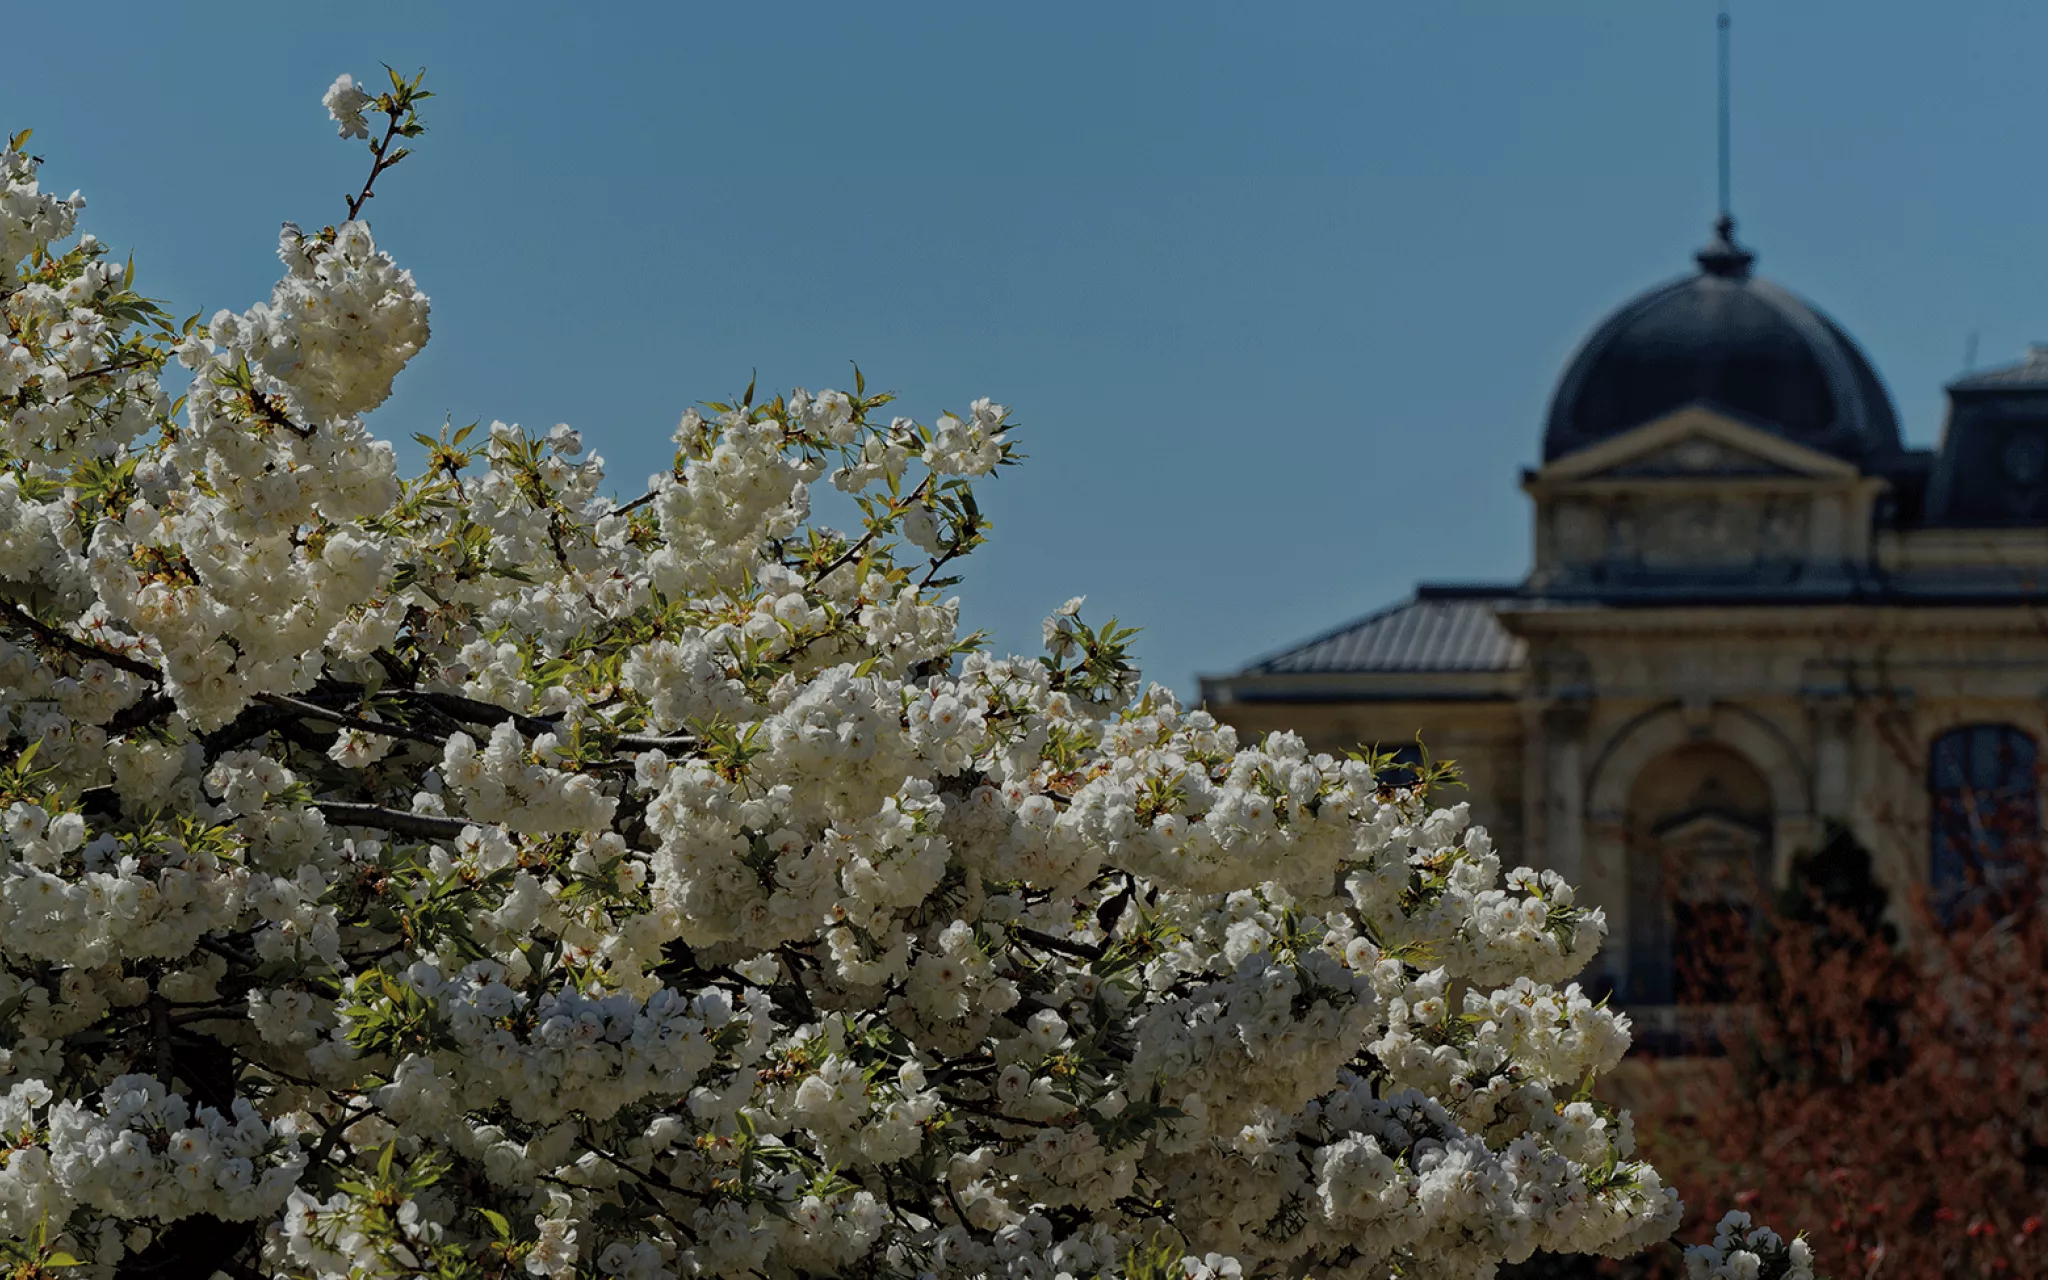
{"x": 1564, "y": 810}
{"x": 1833, "y": 717}
{"x": 1535, "y": 850}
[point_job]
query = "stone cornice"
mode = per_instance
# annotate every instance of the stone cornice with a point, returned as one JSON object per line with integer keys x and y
{"x": 1805, "y": 619}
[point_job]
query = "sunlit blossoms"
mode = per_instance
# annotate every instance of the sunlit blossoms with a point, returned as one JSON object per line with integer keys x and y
{"x": 478, "y": 875}
{"x": 1741, "y": 1250}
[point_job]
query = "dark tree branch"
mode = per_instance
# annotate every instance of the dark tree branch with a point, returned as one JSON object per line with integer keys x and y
{"x": 380, "y": 150}
{"x": 253, "y": 722}
{"x": 654, "y": 1176}
{"x": 160, "y": 1038}
{"x": 1046, "y": 942}
{"x": 268, "y": 410}
{"x": 64, "y": 640}
{"x": 476, "y": 711}
{"x": 313, "y": 711}
{"x": 116, "y": 366}
{"x": 332, "y": 1133}
{"x": 853, "y": 552}
{"x": 953, "y": 552}
{"x": 149, "y": 710}
{"x": 422, "y": 826}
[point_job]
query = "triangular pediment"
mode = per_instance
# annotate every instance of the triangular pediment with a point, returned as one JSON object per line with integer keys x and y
{"x": 1695, "y": 443}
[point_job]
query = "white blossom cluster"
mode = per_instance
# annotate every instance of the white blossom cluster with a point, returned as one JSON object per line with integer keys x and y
{"x": 140, "y": 1153}
{"x": 72, "y": 376}
{"x": 401, "y": 873}
{"x": 563, "y": 1051}
{"x": 1742, "y": 1250}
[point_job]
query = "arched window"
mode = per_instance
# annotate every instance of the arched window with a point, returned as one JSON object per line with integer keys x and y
{"x": 1985, "y": 819}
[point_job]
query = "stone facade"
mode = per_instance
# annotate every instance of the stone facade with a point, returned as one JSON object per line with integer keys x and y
{"x": 1729, "y": 638}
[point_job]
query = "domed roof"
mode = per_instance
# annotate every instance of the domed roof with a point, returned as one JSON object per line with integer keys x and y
{"x": 1733, "y": 342}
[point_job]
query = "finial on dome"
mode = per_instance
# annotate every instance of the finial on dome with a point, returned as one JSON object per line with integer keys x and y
{"x": 1722, "y": 256}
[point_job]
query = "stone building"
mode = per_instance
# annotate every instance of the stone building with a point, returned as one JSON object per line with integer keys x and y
{"x": 1753, "y": 611}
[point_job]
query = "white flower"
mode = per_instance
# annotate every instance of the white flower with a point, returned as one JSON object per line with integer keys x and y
{"x": 345, "y": 103}
{"x": 923, "y": 530}
{"x": 554, "y": 1254}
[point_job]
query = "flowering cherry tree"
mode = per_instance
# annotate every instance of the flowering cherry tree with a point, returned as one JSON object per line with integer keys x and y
{"x": 472, "y": 874}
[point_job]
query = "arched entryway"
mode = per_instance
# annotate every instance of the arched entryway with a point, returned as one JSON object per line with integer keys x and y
{"x": 1698, "y": 830}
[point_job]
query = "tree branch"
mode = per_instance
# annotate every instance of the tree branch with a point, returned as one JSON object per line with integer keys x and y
{"x": 1046, "y": 942}
{"x": 655, "y": 1176}
{"x": 313, "y": 711}
{"x": 333, "y": 1131}
{"x": 84, "y": 649}
{"x": 476, "y": 711}
{"x": 250, "y": 722}
{"x": 116, "y": 366}
{"x": 147, "y": 711}
{"x": 267, "y": 410}
{"x": 649, "y": 742}
{"x": 953, "y": 552}
{"x": 423, "y": 826}
{"x": 852, "y": 553}
{"x": 379, "y": 150}
{"x": 160, "y": 1037}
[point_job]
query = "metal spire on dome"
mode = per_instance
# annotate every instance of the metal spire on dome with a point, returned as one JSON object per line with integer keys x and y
{"x": 1721, "y": 33}
{"x": 1722, "y": 256}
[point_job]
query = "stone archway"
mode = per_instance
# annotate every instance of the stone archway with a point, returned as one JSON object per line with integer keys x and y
{"x": 1665, "y": 727}
{"x": 1613, "y": 837}
{"x": 1697, "y": 830}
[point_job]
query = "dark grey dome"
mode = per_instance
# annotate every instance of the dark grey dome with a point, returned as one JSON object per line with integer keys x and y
{"x": 1735, "y": 343}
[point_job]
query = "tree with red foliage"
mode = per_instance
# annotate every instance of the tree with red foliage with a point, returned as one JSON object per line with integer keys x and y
{"x": 1897, "y": 1069}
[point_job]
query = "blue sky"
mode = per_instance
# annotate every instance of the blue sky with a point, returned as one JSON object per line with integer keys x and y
{"x": 1278, "y": 291}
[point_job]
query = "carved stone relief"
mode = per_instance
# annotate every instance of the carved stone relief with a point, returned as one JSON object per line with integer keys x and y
{"x": 1581, "y": 529}
{"x": 1654, "y": 532}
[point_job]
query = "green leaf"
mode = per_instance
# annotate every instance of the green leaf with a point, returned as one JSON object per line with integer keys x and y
{"x": 499, "y": 1225}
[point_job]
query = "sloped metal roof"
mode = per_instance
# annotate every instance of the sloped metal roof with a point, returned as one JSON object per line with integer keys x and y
{"x": 2030, "y": 374}
{"x": 1450, "y": 632}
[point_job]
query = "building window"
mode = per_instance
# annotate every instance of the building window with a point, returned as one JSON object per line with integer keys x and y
{"x": 1985, "y": 813}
